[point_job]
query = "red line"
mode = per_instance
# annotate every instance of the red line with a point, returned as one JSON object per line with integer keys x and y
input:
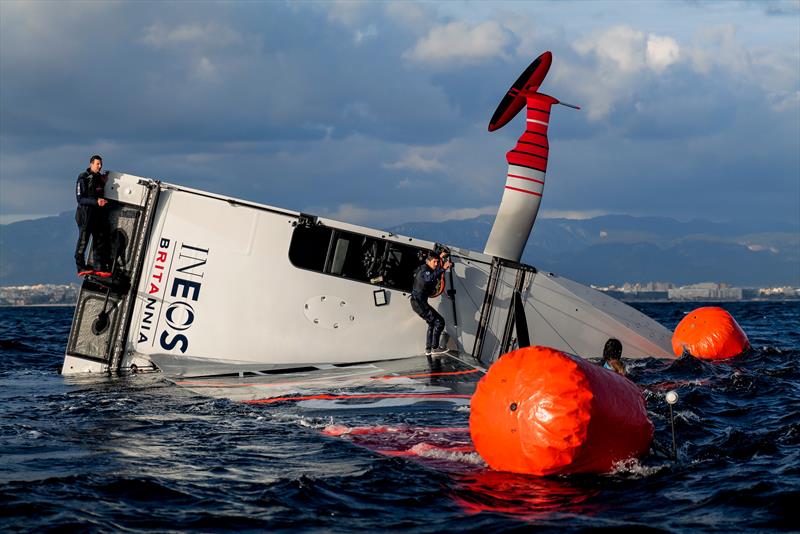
{"x": 441, "y": 429}
{"x": 528, "y": 153}
{"x": 526, "y": 178}
{"x": 416, "y": 453}
{"x": 518, "y": 161}
{"x": 366, "y": 396}
{"x": 523, "y": 191}
{"x": 362, "y": 430}
{"x": 421, "y": 375}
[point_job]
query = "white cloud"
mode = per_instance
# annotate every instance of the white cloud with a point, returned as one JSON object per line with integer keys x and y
{"x": 627, "y": 50}
{"x": 759, "y": 248}
{"x": 623, "y": 58}
{"x": 571, "y": 214}
{"x": 416, "y": 161}
{"x": 347, "y": 12}
{"x": 409, "y": 184}
{"x": 620, "y": 46}
{"x": 776, "y": 72}
{"x": 718, "y": 47}
{"x": 205, "y": 68}
{"x": 384, "y": 218}
{"x": 361, "y": 36}
{"x": 782, "y": 102}
{"x": 461, "y": 42}
{"x": 662, "y": 52}
{"x": 210, "y": 35}
{"x": 408, "y": 14}
{"x": 595, "y": 91}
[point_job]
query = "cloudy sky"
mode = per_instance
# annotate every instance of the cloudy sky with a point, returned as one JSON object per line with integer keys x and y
{"x": 377, "y": 113}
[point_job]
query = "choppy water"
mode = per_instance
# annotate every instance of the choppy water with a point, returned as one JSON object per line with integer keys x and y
{"x": 138, "y": 453}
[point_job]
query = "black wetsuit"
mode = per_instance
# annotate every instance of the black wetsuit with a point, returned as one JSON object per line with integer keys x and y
{"x": 92, "y": 220}
{"x": 425, "y": 280}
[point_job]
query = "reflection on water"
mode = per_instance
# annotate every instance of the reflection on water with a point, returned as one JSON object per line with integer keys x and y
{"x": 524, "y": 496}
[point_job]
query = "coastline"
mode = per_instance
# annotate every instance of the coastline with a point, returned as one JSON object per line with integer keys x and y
{"x": 626, "y": 301}
{"x": 54, "y": 305}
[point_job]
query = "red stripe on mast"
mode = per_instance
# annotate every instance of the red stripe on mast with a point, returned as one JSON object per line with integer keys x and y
{"x": 526, "y": 178}
{"x": 523, "y": 191}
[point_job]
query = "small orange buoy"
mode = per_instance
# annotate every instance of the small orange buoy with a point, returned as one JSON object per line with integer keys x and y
{"x": 543, "y": 412}
{"x": 710, "y": 333}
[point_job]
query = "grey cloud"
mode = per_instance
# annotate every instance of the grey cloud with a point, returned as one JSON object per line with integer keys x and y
{"x": 172, "y": 80}
{"x": 780, "y": 7}
{"x": 277, "y": 103}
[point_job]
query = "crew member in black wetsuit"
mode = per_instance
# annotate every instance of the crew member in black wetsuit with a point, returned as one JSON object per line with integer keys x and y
{"x": 92, "y": 219}
{"x": 426, "y": 277}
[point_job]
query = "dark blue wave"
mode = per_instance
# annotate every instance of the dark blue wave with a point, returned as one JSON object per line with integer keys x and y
{"x": 139, "y": 454}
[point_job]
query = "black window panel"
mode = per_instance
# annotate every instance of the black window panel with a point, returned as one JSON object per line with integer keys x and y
{"x": 309, "y": 247}
{"x": 396, "y": 265}
{"x": 355, "y": 257}
{"x": 347, "y": 256}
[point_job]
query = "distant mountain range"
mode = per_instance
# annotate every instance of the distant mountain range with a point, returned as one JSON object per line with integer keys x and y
{"x": 612, "y": 249}
{"x": 38, "y": 251}
{"x": 615, "y": 249}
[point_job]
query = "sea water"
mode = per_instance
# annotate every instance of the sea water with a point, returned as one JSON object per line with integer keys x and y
{"x": 139, "y": 453}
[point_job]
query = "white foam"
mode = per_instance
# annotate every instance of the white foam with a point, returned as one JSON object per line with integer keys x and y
{"x": 633, "y": 469}
{"x": 688, "y": 416}
{"x": 426, "y": 450}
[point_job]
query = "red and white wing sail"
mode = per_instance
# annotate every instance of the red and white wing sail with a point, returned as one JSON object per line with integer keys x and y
{"x": 527, "y": 165}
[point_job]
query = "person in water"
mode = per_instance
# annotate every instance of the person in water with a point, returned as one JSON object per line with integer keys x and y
{"x": 612, "y": 356}
{"x": 426, "y": 277}
{"x": 92, "y": 219}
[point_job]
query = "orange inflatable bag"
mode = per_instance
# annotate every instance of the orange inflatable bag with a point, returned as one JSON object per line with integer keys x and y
{"x": 543, "y": 412}
{"x": 710, "y": 333}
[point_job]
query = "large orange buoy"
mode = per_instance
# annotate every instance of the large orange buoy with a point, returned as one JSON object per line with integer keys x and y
{"x": 710, "y": 333}
{"x": 542, "y": 412}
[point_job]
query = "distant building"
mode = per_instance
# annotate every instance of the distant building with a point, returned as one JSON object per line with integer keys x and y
{"x": 650, "y": 291}
{"x": 779, "y": 292}
{"x": 708, "y": 291}
{"x": 705, "y": 291}
{"x": 40, "y": 294}
{"x": 647, "y": 287}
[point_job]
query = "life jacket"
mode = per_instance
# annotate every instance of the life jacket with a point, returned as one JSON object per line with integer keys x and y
{"x": 88, "y": 188}
{"x": 427, "y": 282}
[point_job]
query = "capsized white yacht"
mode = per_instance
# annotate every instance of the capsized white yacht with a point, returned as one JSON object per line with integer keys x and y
{"x": 205, "y": 284}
